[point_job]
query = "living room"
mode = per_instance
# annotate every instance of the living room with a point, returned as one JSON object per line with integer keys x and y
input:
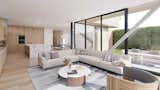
{"x": 51, "y": 44}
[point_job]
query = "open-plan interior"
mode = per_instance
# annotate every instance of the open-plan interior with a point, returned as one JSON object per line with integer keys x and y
{"x": 79, "y": 45}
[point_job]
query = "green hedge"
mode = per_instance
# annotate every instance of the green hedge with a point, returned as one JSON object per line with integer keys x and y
{"x": 147, "y": 38}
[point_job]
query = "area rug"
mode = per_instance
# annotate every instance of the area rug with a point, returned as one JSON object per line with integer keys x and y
{"x": 48, "y": 79}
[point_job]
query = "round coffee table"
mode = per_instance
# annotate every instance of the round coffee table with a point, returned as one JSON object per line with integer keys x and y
{"x": 74, "y": 79}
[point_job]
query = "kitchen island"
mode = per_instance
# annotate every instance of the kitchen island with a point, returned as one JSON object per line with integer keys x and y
{"x": 32, "y": 51}
{"x": 3, "y": 55}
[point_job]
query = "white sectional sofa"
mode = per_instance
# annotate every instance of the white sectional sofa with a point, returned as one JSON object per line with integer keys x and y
{"x": 94, "y": 58}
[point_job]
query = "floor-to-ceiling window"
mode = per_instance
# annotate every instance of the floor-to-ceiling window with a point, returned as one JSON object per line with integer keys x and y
{"x": 112, "y": 22}
{"x": 93, "y": 34}
{"x": 80, "y": 35}
{"x": 97, "y": 32}
{"x": 102, "y": 32}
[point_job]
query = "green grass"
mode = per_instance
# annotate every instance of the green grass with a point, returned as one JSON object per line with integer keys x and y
{"x": 117, "y": 51}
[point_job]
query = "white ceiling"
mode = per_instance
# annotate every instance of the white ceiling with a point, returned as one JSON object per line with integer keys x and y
{"x": 58, "y": 13}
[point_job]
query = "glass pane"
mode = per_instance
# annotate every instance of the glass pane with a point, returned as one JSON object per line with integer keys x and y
{"x": 93, "y": 34}
{"x": 112, "y": 26}
{"x": 79, "y": 35}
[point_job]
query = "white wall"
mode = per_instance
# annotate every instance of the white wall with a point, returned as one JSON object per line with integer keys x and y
{"x": 48, "y": 36}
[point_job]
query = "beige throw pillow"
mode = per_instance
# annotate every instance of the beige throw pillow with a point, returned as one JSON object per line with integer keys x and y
{"x": 46, "y": 55}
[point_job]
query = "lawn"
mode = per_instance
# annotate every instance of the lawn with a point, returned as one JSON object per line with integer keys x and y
{"x": 117, "y": 51}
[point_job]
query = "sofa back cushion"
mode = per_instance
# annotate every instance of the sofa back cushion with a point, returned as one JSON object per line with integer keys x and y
{"x": 81, "y": 52}
{"x": 46, "y": 55}
{"x": 96, "y": 53}
{"x": 54, "y": 55}
{"x": 90, "y": 52}
{"x": 111, "y": 57}
{"x": 153, "y": 52}
{"x": 135, "y": 50}
{"x": 64, "y": 53}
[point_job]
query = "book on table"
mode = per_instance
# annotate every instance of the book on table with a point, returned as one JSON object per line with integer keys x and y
{"x": 72, "y": 72}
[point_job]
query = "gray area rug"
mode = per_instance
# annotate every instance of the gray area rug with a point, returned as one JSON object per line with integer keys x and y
{"x": 48, "y": 79}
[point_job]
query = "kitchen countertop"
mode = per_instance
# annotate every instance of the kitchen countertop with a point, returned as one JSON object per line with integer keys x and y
{"x": 35, "y": 44}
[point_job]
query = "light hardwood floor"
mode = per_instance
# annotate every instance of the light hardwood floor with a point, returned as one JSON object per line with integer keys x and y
{"x": 15, "y": 76}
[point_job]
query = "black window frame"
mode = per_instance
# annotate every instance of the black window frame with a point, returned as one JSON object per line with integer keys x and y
{"x": 73, "y": 25}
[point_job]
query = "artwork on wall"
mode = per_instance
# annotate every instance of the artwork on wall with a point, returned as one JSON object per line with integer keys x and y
{"x": 60, "y": 39}
{"x": 57, "y": 40}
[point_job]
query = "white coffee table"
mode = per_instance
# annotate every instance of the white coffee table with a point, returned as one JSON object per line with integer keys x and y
{"x": 77, "y": 79}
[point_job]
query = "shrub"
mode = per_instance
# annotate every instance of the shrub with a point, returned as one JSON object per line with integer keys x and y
{"x": 146, "y": 38}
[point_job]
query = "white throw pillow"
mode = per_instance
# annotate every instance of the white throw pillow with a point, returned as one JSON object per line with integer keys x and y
{"x": 126, "y": 59}
{"x": 83, "y": 52}
{"x": 77, "y": 51}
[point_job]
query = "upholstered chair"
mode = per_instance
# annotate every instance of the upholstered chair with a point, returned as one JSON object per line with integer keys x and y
{"x": 133, "y": 79}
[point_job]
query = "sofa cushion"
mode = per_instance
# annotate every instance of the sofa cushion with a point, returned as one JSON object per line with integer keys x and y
{"x": 96, "y": 53}
{"x": 118, "y": 63}
{"x": 126, "y": 59}
{"x": 83, "y": 52}
{"x": 110, "y": 67}
{"x": 111, "y": 57}
{"x": 73, "y": 58}
{"x": 107, "y": 58}
{"x": 92, "y": 60}
{"x": 135, "y": 50}
{"x": 53, "y": 62}
{"x": 77, "y": 51}
{"x": 64, "y": 53}
{"x": 153, "y": 52}
{"x": 54, "y": 55}
{"x": 137, "y": 59}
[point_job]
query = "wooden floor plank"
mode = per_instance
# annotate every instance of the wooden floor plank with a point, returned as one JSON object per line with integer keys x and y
{"x": 15, "y": 76}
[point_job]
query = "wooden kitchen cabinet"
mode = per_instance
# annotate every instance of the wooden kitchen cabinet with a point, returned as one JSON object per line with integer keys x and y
{"x": 2, "y": 32}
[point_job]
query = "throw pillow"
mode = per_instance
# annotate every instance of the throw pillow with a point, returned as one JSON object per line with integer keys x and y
{"x": 118, "y": 63}
{"x": 83, "y": 52}
{"x": 137, "y": 59}
{"x": 135, "y": 50}
{"x": 111, "y": 57}
{"x": 115, "y": 57}
{"x": 46, "y": 55}
{"x": 103, "y": 54}
{"x": 54, "y": 55}
{"x": 107, "y": 57}
{"x": 126, "y": 60}
{"x": 77, "y": 51}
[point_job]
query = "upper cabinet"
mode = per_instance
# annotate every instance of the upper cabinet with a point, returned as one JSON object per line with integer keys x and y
{"x": 3, "y": 27}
